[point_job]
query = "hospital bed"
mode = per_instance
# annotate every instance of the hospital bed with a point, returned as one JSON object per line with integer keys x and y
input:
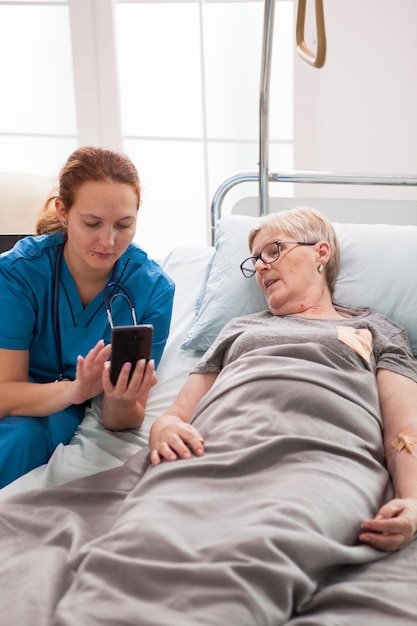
{"x": 378, "y": 269}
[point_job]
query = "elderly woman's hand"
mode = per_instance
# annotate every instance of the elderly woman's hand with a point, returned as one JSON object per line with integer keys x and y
{"x": 393, "y": 527}
{"x": 172, "y": 438}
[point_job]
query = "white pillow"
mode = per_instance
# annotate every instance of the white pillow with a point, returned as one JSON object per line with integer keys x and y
{"x": 377, "y": 269}
{"x": 228, "y": 293}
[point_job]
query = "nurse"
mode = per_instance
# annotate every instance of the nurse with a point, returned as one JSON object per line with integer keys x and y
{"x": 54, "y": 325}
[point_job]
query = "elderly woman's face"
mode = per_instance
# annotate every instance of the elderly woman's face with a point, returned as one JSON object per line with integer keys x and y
{"x": 292, "y": 283}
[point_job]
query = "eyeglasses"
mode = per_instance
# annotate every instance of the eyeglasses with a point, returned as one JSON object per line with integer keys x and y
{"x": 269, "y": 254}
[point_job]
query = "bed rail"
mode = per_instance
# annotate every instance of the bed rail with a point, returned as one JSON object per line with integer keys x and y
{"x": 304, "y": 177}
{"x": 268, "y": 31}
{"x": 305, "y": 53}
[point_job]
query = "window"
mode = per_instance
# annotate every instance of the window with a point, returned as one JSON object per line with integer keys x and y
{"x": 37, "y": 108}
{"x": 174, "y": 84}
{"x": 189, "y": 92}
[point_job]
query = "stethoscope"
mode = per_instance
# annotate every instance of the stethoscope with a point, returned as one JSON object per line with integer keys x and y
{"x": 112, "y": 285}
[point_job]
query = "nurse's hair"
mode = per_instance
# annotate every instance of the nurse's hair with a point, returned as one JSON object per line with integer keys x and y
{"x": 303, "y": 224}
{"x": 84, "y": 165}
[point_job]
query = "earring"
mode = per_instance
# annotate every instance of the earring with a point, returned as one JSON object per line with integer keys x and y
{"x": 64, "y": 223}
{"x": 320, "y": 268}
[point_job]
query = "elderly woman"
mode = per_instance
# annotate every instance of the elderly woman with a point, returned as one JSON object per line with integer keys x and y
{"x": 279, "y": 458}
{"x": 295, "y": 259}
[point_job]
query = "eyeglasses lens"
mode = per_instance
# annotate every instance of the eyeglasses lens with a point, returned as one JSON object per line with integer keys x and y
{"x": 248, "y": 268}
{"x": 270, "y": 253}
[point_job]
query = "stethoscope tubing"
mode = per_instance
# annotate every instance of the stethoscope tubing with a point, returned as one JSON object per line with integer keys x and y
{"x": 113, "y": 284}
{"x": 125, "y": 293}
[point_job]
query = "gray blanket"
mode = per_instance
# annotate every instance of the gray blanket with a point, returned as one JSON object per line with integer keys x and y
{"x": 262, "y": 530}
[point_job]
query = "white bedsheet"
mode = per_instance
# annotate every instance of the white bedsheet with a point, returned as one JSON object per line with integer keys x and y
{"x": 93, "y": 448}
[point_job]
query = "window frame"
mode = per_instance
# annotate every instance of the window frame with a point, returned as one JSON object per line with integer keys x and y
{"x": 95, "y": 72}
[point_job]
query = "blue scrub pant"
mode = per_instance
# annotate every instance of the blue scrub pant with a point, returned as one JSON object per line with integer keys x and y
{"x": 27, "y": 442}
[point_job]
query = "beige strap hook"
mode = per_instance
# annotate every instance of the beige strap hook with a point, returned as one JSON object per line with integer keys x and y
{"x": 317, "y": 59}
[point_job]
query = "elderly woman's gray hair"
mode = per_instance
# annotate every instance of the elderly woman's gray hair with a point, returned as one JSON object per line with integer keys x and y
{"x": 304, "y": 224}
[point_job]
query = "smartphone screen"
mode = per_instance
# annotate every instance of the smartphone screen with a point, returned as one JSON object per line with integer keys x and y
{"x": 129, "y": 344}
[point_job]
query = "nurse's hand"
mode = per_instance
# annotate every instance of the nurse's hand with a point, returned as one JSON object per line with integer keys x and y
{"x": 124, "y": 403}
{"x": 89, "y": 373}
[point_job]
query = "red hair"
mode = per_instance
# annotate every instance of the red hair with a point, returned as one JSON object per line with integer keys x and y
{"x": 84, "y": 165}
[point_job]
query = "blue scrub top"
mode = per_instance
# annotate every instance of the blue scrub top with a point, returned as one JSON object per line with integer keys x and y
{"x": 26, "y": 305}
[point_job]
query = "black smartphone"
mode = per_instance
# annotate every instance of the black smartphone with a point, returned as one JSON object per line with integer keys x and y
{"x": 129, "y": 344}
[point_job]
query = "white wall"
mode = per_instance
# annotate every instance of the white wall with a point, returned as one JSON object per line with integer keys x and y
{"x": 359, "y": 112}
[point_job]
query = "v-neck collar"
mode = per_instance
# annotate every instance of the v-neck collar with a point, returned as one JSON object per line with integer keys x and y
{"x": 81, "y": 315}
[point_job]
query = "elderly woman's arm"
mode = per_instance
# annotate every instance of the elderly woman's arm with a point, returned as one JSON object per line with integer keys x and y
{"x": 396, "y": 522}
{"x": 171, "y": 435}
